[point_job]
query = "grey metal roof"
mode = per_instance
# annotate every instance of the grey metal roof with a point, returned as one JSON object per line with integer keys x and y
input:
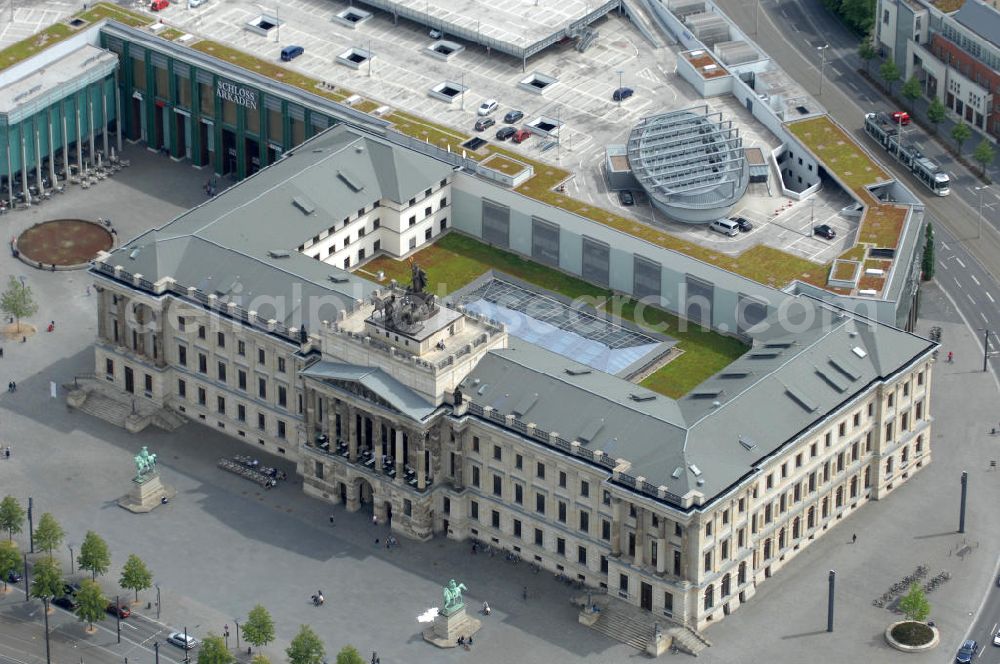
{"x": 241, "y": 245}
{"x": 397, "y": 395}
{"x": 800, "y": 369}
{"x": 982, "y": 19}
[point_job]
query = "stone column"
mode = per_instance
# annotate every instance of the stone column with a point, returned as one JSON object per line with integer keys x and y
{"x": 52, "y": 154}
{"x": 38, "y": 163}
{"x": 377, "y": 448}
{"x": 65, "y": 137}
{"x": 459, "y": 478}
{"x": 118, "y": 115}
{"x": 310, "y": 414}
{"x": 140, "y": 336}
{"x": 661, "y": 555}
{"x": 398, "y": 454}
{"x": 102, "y": 314}
{"x": 348, "y": 430}
{"x": 90, "y": 123}
{"x": 331, "y": 418}
{"x": 352, "y": 442}
{"x": 640, "y": 536}
{"x": 122, "y": 322}
{"x": 79, "y": 142}
{"x": 104, "y": 118}
{"x": 24, "y": 170}
{"x": 422, "y": 467}
{"x": 10, "y": 177}
{"x": 617, "y": 532}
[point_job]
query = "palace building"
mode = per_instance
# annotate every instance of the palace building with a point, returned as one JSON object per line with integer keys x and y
{"x": 242, "y": 315}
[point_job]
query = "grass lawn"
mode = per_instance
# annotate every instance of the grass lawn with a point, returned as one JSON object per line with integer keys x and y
{"x": 103, "y": 10}
{"x": 270, "y": 69}
{"x": 504, "y": 164}
{"x": 455, "y": 260}
{"x": 844, "y": 270}
{"x": 431, "y": 132}
{"x": 171, "y": 34}
{"x": 26, "y": 48}
{"x": 838, "y": 151}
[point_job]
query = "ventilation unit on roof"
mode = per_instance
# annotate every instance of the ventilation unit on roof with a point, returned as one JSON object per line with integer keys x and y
{"x": 859, "y": 351}
{"x": 304, "y": 204}
{"x": 350, "y": 181}
{"x": 779, "y": 344}
{"x": 678, "y": 471}
{"x": 706, "y": 394}
{"x": 134, "y": 253}
{"x": 338, "y": 279}
{"x": 800, "y": 398}
{"x": 646, "y": 396}
{"x": 747, "y": 443}
{"x": 844, "y": 368}
{"x": 694, "y": 469}
{"x": 482, "y": 389}
{"x": 765, "y": 354}
{"x": 735, "y": 373}
{"x": 695, "y": 54}
{"x": 278, "y": 253}
{"x": 580, "y": 371}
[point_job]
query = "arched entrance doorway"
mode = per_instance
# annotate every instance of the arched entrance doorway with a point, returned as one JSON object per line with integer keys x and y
{"x": 365, "y": 493}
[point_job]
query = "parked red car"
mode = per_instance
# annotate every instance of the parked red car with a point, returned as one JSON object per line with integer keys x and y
{"x": 521, "y": 135}
{"x": 123, "y": 610}
{"x": 157, "y": 5}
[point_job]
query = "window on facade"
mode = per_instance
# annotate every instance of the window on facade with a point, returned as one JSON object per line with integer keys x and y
{"x": 888, "y": 432}
{"x": 241, "y": 348}
{"x": 474, "y": 510}
{"x": 540, "y": 470}
{"x": 201, "y": 396}
{"x": 623, "y": 583}
{"x": 890, "y": 400}
{"x": 261, "y": 421}
{"x": 518, "y": 461}
{"x": 181, "y": 389}
{"x": 202, "y": 363}
{"x": 605, "y": 530}
{"x": 518, "y": 494}
{"x": 828, "y": 439}
{"x": 495, "y": 519}
{"x": 241, "y": 412}
{"x": 560, "y": 546}
{"x": 741, "y": 535}
{"x": 585, "y": 522}
{"x": 261, "y": 357}
{"x": 475, "y": 476}
{"x": 181, "y": 321}
{"x": 539, "y": 539}
{"x": 497, "y": 485}
{"x": 241, "y": 379}
{"x": 517, "y": 528}
{"x": 262, "y": 388}
{"x": 562, "y": 512}
{"x": 540, "y": 503}
{"x": 182, "y": 356}
{"x": 584, "y": 489}
{"x": 708, "y": 529}
{"x": 475, "y": 444}
{"x": 222, "y": 371}
{"x": 769, "y": 481}
{"x": 920, "y": 378}
{"x": 220, "y": 405}
{"x": 220, "y": 339}
{"x": 562, "y": 479}
{"x": 201, "y": 331}
{"x": 784, "y": 470}
{"x": 282, "y": 396}
{"x": 708, "y": 561}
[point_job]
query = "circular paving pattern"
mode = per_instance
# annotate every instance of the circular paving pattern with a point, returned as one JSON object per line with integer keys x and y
{"x": 63, "y": 242}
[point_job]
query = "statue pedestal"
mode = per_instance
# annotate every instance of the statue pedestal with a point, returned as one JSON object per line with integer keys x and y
{"x": 449, "y": 627}
{"x": 146, "y": 494}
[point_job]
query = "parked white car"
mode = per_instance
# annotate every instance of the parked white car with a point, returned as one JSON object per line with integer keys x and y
{"x": 488, "y": 106}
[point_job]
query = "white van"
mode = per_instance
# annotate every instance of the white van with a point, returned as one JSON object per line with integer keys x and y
{"x": 725, "y": 226}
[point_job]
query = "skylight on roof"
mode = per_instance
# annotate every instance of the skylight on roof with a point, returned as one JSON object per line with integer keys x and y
{"x": 765, "y": 354}
{"x": 800, "y": 398}
{"x": 859, "y": 351}
{"x": 644, "y": 396}
{"x": 304, "y": 204}
{"x": 695, "y": 469}
{"x": 747, "y": 443}
{"x": 844, "y": 368}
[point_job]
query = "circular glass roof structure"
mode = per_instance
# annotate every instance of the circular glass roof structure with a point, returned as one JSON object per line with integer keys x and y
{"x": 690, "y": 162}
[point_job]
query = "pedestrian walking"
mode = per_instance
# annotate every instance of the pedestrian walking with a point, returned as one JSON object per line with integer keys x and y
{"x": 854, "y": 538}
{"x": 1, "y": 351}
{"x": 6, "y": 452}
{"x": 950, "y": 356}
{"x": 374, "y": 657}
{"x": 374, "y": 520}
{"x": 524, "y": 593}
{"x": 331, "y": 519}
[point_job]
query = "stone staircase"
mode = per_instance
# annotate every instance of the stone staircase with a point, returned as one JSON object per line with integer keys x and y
{"x": 105, "y": 408}
{"x": 168, "y": 419}
{"x": 633, "y": 626}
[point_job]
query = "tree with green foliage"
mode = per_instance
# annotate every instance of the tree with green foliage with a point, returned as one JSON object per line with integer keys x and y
{"x": 936, "y": 112}
{"x": 93, "y": 603}
{"x": 48, "y": 534}
{"x": 214, "y": 651}
{"x": 914, "y": 604}
{"x": 135, "y": 575}
{"x": 927, "y": 262}
{"x": 961, "y": 133}
{"x": 306, "y": 648}
{"x": 866, "y": 51}
{"x": 10, "y": 561}
{"x": 46, "y": 579}
{"x": 858, "y": 15}
{"x": 94, "y": 556}
{"x": 18, "y": 301}
{"x": 889, "y": 73}
{"x": 11, "y": 516}
{"x": 984, "y": 154}
{"x": 911, "y": 90}
{"x": 258, "y": 630}
{"x": 349, "y": 655}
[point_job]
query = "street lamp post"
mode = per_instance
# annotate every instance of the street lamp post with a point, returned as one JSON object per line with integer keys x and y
{"x": 157, "y": 601}
{"x": 237, "y": 633}
{"x": 48, "y": 654}
{"x": 980, "y": 190}
{"x": 70, "y": 558}
{"x": 822, "y": 66}
{"x": 118, "y": 617}
{"x": 832, "y": 583}
{"x": 965, "y": 494}
{"x": 26, "y": 579}
{"x": 31, "y": 503}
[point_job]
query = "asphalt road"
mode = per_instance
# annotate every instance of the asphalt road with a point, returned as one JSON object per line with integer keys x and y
{"x": 22, "y": 625}
{"x": 792, "y": 30}
{"x": 986, "y": 626}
